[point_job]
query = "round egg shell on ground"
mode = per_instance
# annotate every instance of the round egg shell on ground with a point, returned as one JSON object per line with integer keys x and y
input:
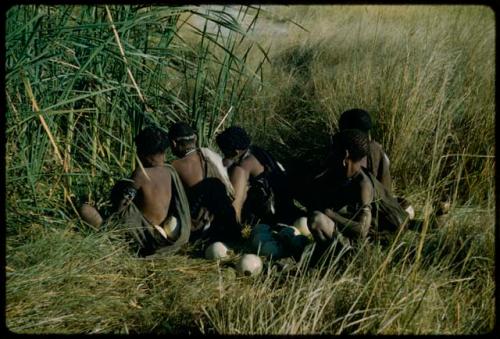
{"x": 249, "y": 264}
{"x": 217, "y": 250}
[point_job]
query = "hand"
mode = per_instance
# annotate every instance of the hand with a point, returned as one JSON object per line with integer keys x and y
{"x": 203, "y": 219}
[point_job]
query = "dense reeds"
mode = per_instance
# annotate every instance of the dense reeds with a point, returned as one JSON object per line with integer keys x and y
{"x": 82, "y": 80}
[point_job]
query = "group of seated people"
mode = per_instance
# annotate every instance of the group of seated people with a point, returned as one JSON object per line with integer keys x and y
{"x": 203, "y": 195}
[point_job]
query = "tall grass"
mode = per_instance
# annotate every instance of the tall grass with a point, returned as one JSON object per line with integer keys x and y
{"x": 82, "y": 80}
{"x": 425, "y": 73}
{"x": 92, "y": 76}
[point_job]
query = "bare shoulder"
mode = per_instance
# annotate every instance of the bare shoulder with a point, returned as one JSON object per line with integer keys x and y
{"x": 147, "y": 175}
{"x": 376, "y": 146}
{"x": 252, "y": 165}
{"x": 366, "y": 189}
{"x": 138, "y": 176}
{"x": 377, "y": 149}
{"x": 182, "y": 166}
{"x": 177, "y": 164}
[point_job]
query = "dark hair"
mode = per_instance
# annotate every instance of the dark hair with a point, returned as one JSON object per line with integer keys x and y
{"x": 353, "y": 140}
{"x": 355, "y": 118}
{"x": 181, "y": 131}
{"x": 151, "y": 140}
{"x": 233, "y": 138}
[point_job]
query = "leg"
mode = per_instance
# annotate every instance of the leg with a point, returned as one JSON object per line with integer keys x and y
{"x": 322, "y": 228}
{"x": 323, "y": 231}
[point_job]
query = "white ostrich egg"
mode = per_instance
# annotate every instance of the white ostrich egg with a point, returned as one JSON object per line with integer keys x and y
{"x": 249, "y": 264}
{"x": 301, "y": 225}
{"x": 217, "y": 250}
{"x": 172, "y": 228}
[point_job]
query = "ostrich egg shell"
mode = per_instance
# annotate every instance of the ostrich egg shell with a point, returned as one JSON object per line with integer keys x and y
{"x": 217, "y": 250}
{"x": 173, "y": 229}
{"x": 301, "y": 225}
{"x": 249, "y": 264}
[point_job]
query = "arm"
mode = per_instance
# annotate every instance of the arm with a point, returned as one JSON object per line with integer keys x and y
{"x": 357, "y": 227}
{"x": 239, "y": 179}
{"x": 359, "y": 224}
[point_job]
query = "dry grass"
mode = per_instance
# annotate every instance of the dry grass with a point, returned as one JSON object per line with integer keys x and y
{"x": 426, "y": 74}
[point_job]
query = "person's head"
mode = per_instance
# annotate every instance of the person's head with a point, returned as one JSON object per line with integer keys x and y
{"x": 355, "y": 118}
{"x": 150, "y": 142}
{"x": 349, "y": 147}
{"x": 182, "y": 138}
{"x": 233, "y": 141}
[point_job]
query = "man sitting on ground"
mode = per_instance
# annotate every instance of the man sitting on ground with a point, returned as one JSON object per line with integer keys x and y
{"x": 151, "y": 206}
{"x": 350, "y": 201}
{"x": 376, "y": 161}
{"x": 207, "y": 186}
{"x": 260, "y": 182}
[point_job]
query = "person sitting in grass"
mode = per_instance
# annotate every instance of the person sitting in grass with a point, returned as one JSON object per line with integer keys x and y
{"x": 350, "y": 202}
{"x": 151, "y": 206}
{"x": 207, "y": 186}
{"x": 260, "y": 182}
{"x": 377, "y": 162}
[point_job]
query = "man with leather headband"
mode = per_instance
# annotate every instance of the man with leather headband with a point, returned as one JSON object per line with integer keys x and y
{"x": 207, "y": 186}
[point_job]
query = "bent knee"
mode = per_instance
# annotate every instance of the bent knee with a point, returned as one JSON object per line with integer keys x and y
{"x": 321, "y": 226}
{"x": 318, "y": 221}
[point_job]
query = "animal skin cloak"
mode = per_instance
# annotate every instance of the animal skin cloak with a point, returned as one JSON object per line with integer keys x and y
{"x": 146, "y": 236}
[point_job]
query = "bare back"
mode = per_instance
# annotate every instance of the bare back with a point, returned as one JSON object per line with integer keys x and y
{"x": 190, "y": 169}
{"x": 239, "y": 176}
{"x": 154, "y": 185}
